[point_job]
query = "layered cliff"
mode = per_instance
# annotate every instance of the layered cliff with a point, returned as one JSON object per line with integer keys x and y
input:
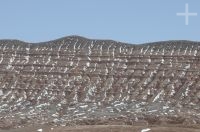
{"x": 74, "y": 80}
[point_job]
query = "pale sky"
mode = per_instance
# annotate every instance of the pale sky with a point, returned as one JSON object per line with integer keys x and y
{"x": 132, "y": 21}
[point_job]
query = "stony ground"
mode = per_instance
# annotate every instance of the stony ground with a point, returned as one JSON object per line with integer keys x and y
{"x": 105, "y": 128}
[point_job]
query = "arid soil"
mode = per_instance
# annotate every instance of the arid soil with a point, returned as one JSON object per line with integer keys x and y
{"x": 77, "y": 81}
{"x": 104, "y": 128}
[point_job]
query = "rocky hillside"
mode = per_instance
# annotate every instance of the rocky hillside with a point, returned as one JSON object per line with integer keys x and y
{"x": 74, "y": 80}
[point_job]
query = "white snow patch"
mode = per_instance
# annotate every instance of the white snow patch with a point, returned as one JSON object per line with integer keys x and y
{"x": 121, "y": 103}
{"x": 131, "y": 51}
{"x": 148, "y": 92}
{"x": 145, "y": 130}
{"x": 182, "y": 74}
{"x": 179, "y": 50}
{"x": 71, "y": 63}
{"x": 188, "y": 66}
{"x": 120, "y": 49}
{"x": 75, "y": 98}
{"x": 149, "y": 60}
{"x": 89, "y": 47}
{"x": 141, "y": 50}
{"x": 146, "y": 50}
{"x": 27, "y": 59}
{"x": 173, "y": 91}
{"x": 172, "y": 52}
{"x": 80, "y": 114}
{"x": 8, "y": 66}
{"x": 151, "y": 111}
{"x": 101, "y": 48}
{"x": 151, "y": 50}
{"x": 158, "y": 96}
{"x": 186, "y": 50}
{"x": 171, "y": 64}
{"x": 162, "y": 60}
{"x": 187, "y": 91}
{"x": 49, "y": 59}
{"x": 75, "y": 45}
{"x": 39, "y": 130}
{"x": 1, "y": 92}
{"x": 165, "y": 107}
{"x": 163, "y": 52}
{"x": 195, "y": 53}
{"x": 1, "y": 58}
{"x": 190, "y": 51}
{"x": 88, "y": 64}
{"x": 83, "y": 106}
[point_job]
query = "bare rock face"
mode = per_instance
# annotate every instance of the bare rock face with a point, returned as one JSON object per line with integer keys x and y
{"x": 75, "y": 80}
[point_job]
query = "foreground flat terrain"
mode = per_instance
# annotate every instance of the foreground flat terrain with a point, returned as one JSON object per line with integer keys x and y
{"x": 103, "y": 128}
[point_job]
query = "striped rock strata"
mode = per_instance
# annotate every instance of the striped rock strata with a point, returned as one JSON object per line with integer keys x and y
{"x": 74, "y": 80}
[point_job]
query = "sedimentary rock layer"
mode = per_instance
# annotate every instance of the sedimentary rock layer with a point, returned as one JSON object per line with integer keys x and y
{"x": 74, "y": 80}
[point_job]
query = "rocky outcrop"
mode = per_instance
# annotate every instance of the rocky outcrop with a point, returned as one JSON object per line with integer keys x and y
{"x": 74, "y": 80}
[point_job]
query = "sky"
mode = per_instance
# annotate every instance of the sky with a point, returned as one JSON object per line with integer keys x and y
{"x": 130, "y": 21}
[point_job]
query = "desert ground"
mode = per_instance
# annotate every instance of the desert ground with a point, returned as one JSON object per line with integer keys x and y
{"x": 106, "y": 128}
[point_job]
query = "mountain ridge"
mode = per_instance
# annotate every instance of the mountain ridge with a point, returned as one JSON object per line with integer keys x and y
{"x": 106, "y": 40}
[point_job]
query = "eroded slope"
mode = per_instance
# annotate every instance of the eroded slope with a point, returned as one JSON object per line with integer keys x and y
{"x": 75, "y": 80}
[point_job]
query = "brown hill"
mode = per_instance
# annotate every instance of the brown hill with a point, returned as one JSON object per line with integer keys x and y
{"x": 79, "y": 81}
